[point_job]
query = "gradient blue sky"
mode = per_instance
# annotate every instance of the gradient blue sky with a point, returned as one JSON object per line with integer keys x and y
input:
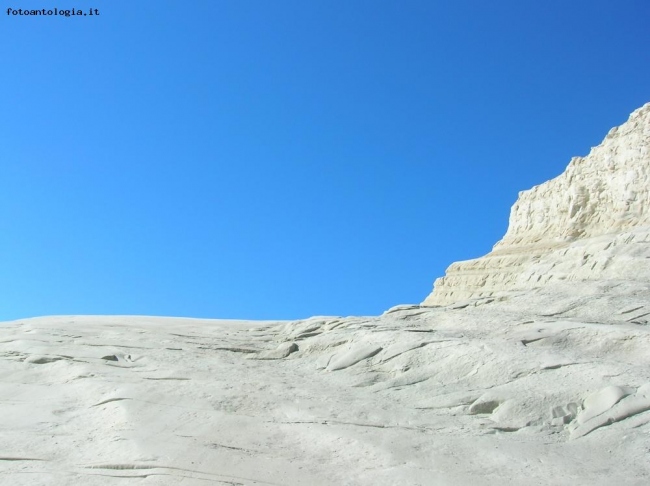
{"x": 282, "y": 159}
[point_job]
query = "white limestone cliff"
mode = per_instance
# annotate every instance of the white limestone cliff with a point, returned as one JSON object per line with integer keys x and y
{"x": 589, "y": 223}
{"x": 546, "y": 385}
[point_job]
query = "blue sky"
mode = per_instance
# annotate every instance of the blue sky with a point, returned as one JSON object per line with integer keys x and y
{"x": 277, "y": 160}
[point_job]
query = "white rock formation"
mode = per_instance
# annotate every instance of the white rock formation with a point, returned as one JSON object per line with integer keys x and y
{"x": 547, "y": 385}
{"x": 586, "y": 224}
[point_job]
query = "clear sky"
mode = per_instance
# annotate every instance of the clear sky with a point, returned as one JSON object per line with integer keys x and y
{"x": 282, "y": 159}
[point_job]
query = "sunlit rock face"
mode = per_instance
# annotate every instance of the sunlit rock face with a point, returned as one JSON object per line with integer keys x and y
{"x": 589, "y": 223}
{"x": 546, "y": 385}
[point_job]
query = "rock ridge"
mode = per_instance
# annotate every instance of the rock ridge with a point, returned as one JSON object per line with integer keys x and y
{"x": 590, "y": 222}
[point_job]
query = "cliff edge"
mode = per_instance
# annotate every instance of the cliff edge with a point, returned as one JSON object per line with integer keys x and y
{"x": 591, "y": 222}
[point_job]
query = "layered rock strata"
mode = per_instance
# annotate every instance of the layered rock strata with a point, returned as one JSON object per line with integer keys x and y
{"x": 589, "y": 223}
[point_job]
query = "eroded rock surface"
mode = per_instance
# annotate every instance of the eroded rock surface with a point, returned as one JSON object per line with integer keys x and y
{"x": 590, "y": 223}
{"x": 532, "y": 368}
{"x": 509, "y": 392}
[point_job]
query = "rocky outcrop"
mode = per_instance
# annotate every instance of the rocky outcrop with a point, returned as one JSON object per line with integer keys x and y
{"x": 591, "y": 222}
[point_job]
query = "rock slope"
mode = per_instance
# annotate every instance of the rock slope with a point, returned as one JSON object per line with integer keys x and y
{"x": 539, "y": 375}
{"x": 550, "y": 388}
{"x": 590, "y": 223}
